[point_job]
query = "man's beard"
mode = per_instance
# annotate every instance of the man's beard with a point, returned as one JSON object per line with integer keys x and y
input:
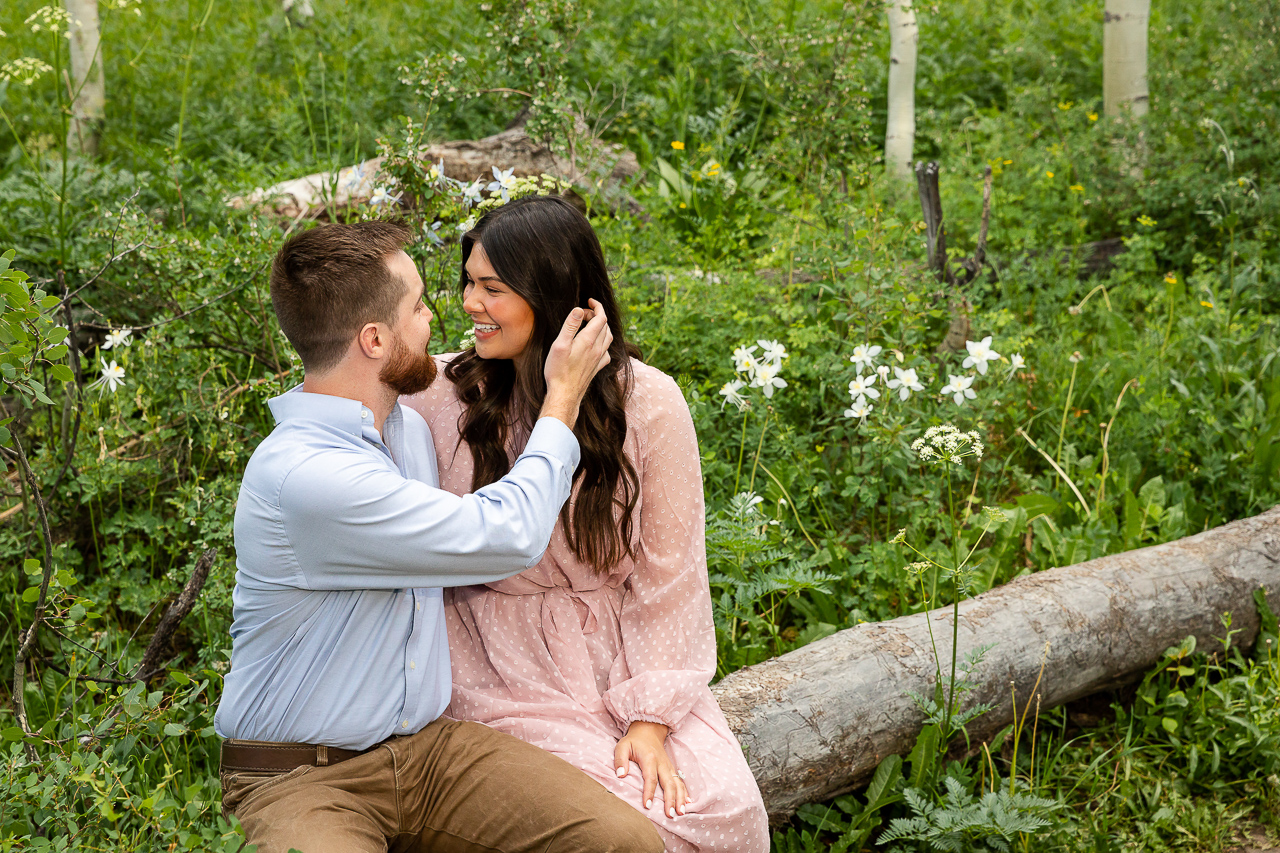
{"x": 406, "y": 372}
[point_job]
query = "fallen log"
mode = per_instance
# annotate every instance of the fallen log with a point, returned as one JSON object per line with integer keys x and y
{"x": 592, "y": 162}
{"x": 817, "y": 721}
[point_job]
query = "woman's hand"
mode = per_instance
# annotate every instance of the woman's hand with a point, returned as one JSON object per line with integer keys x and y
{"x": 644, "y": 744}
{"x": 577, "y": 355}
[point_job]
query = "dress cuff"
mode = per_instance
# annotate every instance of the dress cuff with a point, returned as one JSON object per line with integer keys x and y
{"x": 550, "y": 437}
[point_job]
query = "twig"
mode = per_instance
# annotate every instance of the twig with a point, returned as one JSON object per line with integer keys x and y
{"x": 1106, "y": 436}
{"x": 27, "y": 638}
{"x": 1063, "y": 474}
{"x": 184, "y": 314}
{"x": 162, "y": 640}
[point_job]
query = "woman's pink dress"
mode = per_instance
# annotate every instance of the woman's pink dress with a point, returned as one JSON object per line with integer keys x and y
{"x": 566, "y": 659}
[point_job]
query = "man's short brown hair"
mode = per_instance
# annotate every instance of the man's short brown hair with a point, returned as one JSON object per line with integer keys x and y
{"x": 327, "y": 283}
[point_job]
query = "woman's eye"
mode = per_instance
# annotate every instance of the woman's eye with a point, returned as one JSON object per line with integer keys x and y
{"x": 492, "y": 291}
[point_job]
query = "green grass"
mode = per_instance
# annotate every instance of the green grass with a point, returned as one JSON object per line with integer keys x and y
{"x": 807, "y": 244}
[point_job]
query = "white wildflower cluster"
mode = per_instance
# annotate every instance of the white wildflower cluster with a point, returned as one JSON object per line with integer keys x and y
{"x": 25, "y": 70}
{"x": 53, "y": 18}
{"x": 505, "y": 186}
{"x": 946, "y": 445}
{"x": 906, "y": 381}
{"x": 757, "y": 371}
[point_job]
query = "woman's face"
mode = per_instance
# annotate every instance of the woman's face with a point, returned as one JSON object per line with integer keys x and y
{"x": 503, "y": 320}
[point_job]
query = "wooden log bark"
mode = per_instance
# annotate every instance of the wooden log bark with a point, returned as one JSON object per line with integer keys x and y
{"x": 817, "y": 721}
{"x": 593, "y": 162}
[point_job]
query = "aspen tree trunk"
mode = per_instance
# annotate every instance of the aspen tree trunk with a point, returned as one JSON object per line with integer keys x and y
{"x": 1124, "y": 57}
{"x": 88, "y": 86}
{"x": 904, "y": 37}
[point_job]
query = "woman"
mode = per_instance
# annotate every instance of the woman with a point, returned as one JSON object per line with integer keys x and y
{"x": 601, "y": 652}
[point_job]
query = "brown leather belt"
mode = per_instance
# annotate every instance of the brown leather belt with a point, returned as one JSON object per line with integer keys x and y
{"x": 251, "y": 756}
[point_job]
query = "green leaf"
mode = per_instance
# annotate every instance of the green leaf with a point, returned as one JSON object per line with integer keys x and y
{"x": 924, "y": 755}
{"x": 30, "y": 594}
{"x": 12, "y": 733}
{"x": 174, "y": 729}
{"x": 179, "y": 676}
{"x": 1169, "y": 724}
{"x": 62, "y": 373}
{"x": 883, "y": 784}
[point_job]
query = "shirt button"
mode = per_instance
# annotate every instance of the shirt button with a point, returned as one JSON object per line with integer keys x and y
{"x": 412, "y": 665}
{"x": 405, "y": 724}
{"x": 364, "y": 414}
{"x": 419, "y": 606}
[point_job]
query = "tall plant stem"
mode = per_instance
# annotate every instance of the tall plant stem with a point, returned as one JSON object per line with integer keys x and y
{"x": 742, "y": 447}
{"x": 955, "y": 606}
{"x": 1062, "y": 428}
{"x": 751, "y": 487}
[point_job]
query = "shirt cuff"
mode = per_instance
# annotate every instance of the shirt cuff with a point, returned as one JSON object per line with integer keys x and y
{"x": 551, "y": 437}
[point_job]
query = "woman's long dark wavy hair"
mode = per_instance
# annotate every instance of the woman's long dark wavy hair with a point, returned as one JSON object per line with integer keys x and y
{"x": 546, "y": 252}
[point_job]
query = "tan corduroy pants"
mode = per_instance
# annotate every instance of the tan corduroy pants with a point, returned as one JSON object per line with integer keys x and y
{"x": 454, "y": 787}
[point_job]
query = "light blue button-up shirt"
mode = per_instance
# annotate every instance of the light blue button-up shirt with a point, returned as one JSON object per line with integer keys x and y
{"x": 343, "y": 542}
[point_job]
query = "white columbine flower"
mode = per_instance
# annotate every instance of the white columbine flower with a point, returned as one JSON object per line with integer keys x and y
{"x": 772, "y": 351}
{"x": 467, "y": 225}
{"x": 860, "y": 409}
{"x": 767, "y": 378}
{"x": 1016, "y": 363}
{"x": 744, "y": 361}
{"x": 731, "y": 394}
{"x": 883, "y": 372}
{"x": 436, "y": 172}
{"x": 861, "y": 387}
{"x": 117, "y": 338}
{"x": 906, "y": 382}
{"x": 864, "y": 355}
{"x": 111, "y": 379}
{"x": 503, "y": 182}
{"x": 432, "y": 234}
{"x": 353, "y": 177}
{"x": 381, "y": 197}
{"x": 471, "y": 193}
{"x": 959, "y": 388}
{"x": 980, "y": 352}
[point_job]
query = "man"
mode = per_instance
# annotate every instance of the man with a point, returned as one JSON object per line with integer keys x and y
{"x": 340, "y": 664}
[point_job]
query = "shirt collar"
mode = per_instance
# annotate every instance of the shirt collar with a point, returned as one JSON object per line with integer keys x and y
{"x": 348, "y": 415}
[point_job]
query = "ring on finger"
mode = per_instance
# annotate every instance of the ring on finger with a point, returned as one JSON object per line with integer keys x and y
{"x": 679, "y": 775}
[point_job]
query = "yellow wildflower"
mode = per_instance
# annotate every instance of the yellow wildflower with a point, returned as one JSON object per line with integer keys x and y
{"x": 1093, "y": 116}
{"x": 1170, "y": 278}
{"x": 1007, "y": 162}
{"x": 1065, "y": 105}
{"x": 1048, "y": 174}
{"x": 683, "y": 205}
{"x": 1146, "y": 220}
{"x": 1076, "y": 188}
{"x": 1206, "y": 304}
{"x": 678, "y": 145}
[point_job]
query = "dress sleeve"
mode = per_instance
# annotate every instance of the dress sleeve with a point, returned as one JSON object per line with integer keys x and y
{"x": 668, "y": 637}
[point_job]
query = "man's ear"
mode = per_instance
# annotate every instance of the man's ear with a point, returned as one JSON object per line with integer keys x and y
{"x": 372, "y": 340}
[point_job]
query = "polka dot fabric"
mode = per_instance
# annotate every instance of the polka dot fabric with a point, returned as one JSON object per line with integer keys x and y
{"x": 566, "y": 659}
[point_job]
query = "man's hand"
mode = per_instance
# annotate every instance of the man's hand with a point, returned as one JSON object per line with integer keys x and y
{"x": 644, "y": 744}
{"x": 578, "y": 354}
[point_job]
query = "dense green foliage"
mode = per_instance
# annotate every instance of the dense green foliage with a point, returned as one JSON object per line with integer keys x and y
{"x": 1151, "y": 383}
